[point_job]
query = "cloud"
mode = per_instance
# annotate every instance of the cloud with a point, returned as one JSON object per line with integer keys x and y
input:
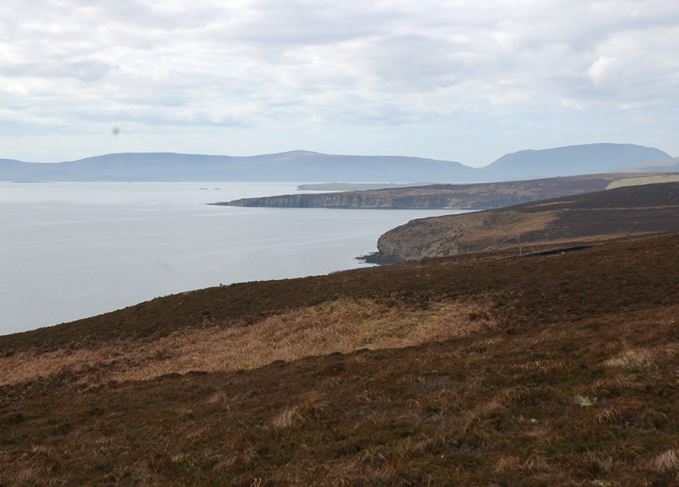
{"x": 81, "y": 64}
{"x": 602, "y": 69}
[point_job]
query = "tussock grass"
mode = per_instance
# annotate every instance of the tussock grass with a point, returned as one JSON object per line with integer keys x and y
{"x": 337, "y": 326}
{"x": 507, "y": 463}
{"x": 666, "y": 462}
{"x": 642, "y": 358}
{"x": 309, "y": 407}
{"x": 535, "y": 463}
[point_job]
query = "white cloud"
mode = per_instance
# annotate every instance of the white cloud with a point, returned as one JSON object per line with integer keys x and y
{"x": 602, "y": 69}
{"x": 83, "y": 65}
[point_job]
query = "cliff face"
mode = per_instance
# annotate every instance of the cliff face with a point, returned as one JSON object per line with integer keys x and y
{"x": 378, "y": 200}
{"x": 467, "y": 196}
{"x": 618, "y": 212}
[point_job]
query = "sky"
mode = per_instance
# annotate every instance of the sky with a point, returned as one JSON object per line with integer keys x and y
{"x": 449, "y": 79}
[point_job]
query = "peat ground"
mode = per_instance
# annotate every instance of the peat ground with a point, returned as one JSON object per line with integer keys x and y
{"x": 571, "y": 380}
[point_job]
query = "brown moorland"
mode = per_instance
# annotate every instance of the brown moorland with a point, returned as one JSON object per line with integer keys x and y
{"x": 484, "y": 369}
{"x": 624, "y": 211}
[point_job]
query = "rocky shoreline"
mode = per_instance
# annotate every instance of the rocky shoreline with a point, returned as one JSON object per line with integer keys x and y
{"x": 626, "y": 211}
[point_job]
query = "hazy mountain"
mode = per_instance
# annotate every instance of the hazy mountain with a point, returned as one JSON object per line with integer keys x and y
{"x": 673, "y": 167}
{"x": 287, "y": 166}
{"x": 11, "y": 170}
{"x": 313, "y": 166}
{"x": 668, "y": 165}
{"x": 571, "y": 161}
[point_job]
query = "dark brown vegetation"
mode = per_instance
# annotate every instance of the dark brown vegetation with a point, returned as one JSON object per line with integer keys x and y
{"x": 570, "y": 378}
{"x": 460, "y": 196}
{"x": 630, "y": 210}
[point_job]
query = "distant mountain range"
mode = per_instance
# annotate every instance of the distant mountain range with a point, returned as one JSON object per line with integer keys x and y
{"x": 313, "y": 166}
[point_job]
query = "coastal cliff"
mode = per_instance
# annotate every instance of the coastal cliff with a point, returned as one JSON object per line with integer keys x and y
{"x": 626, "y": 211}
{"x": 431, "y": 197}
{"x": 461, "y": 196}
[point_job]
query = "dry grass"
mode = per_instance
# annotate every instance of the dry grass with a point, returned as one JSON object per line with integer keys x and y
{"x": 310, "y": 406}
{"x": 666, "y": 462}
{"x": 535, "y": 463}
{"x": 338, "y": 326}
{"x": 540, "y": 365}
{"x": 642, "y": 358}
{"x": 25, "y": 366}
{"x": 287, "y": 418}
{"x": 620, "y": 411}
{"x": 644, "y": 180}
{"x": 508, "y": 226}
{"x": 507, "y": 463}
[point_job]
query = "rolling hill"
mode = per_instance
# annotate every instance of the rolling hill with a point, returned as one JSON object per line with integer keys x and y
{"x": 313, "y": 166}
{"x": 483, "y": 369}
{"x": 671, "y": 165}
{"x": 288, "y": 166}
{"x": 628, "y": 210}
{"x": 571, "y": 160}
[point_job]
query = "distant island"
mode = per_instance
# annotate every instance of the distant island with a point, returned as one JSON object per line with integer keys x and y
{"x": 298, "y": 166}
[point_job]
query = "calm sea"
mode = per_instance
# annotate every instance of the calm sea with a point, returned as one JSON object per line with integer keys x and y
{"x": 71, "y": 250}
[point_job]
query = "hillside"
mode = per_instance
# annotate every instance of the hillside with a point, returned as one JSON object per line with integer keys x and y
{"x": 571, "y": 160}
{"x": 460, "y": 196}
{"x": 629, "y": 210}
{"x": 12, "y": 170}
{"x": 313, "y": 166}
{"x": 644, "y": 179}
{"x": 668, "y": 165}
{"x": 476, "y": 370}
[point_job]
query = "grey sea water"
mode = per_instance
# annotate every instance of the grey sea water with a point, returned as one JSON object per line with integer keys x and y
{"x": 71, "y": 250}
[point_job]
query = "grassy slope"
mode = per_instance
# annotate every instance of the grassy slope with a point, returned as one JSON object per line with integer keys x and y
{"x": 632, "y": 210}
{"x": 573, "y": 384}
{"x": 639, "y": 181}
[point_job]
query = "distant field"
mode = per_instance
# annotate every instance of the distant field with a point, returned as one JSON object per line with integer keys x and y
{"x": 667, "y": 178}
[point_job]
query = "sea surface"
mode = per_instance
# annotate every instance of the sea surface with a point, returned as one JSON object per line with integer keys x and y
{"x": 72, "y": 250}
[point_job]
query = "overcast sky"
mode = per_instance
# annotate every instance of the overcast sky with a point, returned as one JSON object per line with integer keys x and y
{"x": 451, "y": 79}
